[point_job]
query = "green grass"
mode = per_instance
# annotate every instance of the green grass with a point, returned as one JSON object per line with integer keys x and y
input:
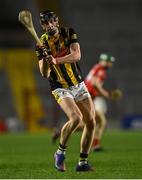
{"x": 31, "y": 156}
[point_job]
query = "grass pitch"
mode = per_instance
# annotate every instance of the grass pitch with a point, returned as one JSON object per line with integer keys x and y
{"x": 30, "y": 156}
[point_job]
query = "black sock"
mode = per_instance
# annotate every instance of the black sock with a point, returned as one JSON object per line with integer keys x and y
{"x": 83, "y": 158}
{"x": 61, "y": 148}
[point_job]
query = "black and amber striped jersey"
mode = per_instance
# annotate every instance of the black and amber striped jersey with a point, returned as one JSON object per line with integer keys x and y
{"x": 61, "y": 75}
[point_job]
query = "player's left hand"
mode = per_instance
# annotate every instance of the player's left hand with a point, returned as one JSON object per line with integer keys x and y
{"x": 54, "y": 61}
{"x": 116, "y": 94}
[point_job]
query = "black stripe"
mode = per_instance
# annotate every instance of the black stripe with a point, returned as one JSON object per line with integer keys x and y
{"x": 53, "y": 80}
{"x": 57, "y": 45}
{"x": 72, "y": 33}
{"x": 65, "y": 75}
{"x": 64, "y": 33}
{"x": 77, "y": 72}
{"x": 47, "y": 47}
{"x": 53, "y": 74}
{"x": 77, "y": 65}
{"x": 73, "y": 41}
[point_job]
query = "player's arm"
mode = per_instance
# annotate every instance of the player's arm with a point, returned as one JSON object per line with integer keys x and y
{"x": 74, "y": 47}
{"x": 74, "y": 55}
{"x": 42, "y": 60}
{"x": 43, "y": 67}
{"x": 95, "y": 81}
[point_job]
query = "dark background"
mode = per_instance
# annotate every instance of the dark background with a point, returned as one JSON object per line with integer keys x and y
{"x": 103, "y": 26}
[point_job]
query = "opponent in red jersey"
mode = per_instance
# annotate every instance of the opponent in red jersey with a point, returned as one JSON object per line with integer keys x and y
{"x": 94, "y": 82}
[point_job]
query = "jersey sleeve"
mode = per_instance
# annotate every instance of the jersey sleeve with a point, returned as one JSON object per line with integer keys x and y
{"x": 72, "y": 36}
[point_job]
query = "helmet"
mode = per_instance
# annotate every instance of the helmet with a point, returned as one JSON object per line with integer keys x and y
{"x": 47, "y": 15}
{"x": 107, "y": 57}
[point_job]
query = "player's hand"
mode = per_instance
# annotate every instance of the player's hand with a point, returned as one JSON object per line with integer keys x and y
{"x": 53, "y": 60}
{"x": 116, "y": 94}
{"x": 48, "y": 59}
{"x": 42, "y": 51}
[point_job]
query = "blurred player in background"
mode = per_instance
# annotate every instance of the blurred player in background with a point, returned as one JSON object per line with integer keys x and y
{"x": 94, "y": 82}
{"x": 58, "y": 61}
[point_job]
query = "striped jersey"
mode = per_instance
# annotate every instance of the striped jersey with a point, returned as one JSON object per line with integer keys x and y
{"x": 61, "y": 75}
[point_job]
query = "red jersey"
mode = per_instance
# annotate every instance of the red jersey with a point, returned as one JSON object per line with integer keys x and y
{"x": 97, "y": 71}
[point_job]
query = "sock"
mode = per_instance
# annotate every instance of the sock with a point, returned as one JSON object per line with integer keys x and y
{"x": 96, "y": 142}
{"x": 61, "y": 149}
{"x": 83, "y": 159}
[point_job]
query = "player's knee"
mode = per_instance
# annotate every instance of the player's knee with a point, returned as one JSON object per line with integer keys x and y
{"x": 76, "y": 118}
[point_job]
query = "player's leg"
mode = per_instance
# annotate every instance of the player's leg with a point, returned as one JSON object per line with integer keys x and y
{"x": 56, "y": 134}
{"x": 87, "y": 108}
{"x": 101, "y": 109}
{"x": 74, "y": 115}
{"x": 101, "y": 124}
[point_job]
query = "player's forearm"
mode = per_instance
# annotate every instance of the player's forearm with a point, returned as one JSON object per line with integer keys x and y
{"x": 43, "y": 67}
{"x": 73, "y": 57}
{"x": 102, "y": 91}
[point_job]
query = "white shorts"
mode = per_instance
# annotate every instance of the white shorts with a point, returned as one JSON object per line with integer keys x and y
{"x": 100, "y": 104}
{"x": 78, "y": 92}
